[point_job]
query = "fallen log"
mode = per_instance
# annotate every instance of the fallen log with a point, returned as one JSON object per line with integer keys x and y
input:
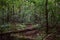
{"x": 28, "y": 31}
{"x": 18, "y": 31}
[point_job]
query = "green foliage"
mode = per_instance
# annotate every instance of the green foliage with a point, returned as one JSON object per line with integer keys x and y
{"x": 23, "y": 12}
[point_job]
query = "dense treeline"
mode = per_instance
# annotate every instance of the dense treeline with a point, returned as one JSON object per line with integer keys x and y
{"x": 16, "y": 13}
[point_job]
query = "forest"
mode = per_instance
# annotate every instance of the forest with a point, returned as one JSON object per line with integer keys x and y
{"x": 29, "y": 19}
